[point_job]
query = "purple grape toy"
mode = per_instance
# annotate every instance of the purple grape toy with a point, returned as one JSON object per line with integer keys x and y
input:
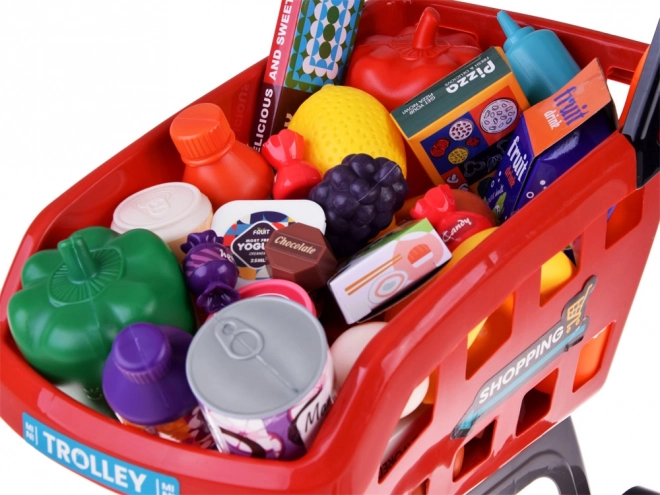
{"x": 359, "y": 198}
{"x": 210, "y": 270}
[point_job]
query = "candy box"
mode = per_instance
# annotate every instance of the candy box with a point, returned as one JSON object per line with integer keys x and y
{"x": 458, "y": 128}
{"x": 550, "y": 138}
{"x": 312, "y": 43}
{"x": 386, "y": 267}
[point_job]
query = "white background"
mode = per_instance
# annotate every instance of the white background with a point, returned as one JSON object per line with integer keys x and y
{"x": 81, "y": 80}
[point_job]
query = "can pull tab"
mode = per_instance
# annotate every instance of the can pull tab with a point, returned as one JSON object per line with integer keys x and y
{"x": 242, "y": 342}
{"x": 642, "y": 124}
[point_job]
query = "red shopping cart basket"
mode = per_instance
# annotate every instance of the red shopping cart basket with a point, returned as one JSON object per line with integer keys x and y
{"x": 525, "y": 374}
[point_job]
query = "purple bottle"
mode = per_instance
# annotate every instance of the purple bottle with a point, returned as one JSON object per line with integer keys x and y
{"x": 210, "y": 270}
{"x": 144, "y": 382}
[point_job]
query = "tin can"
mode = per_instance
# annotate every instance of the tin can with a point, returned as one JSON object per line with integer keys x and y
{"x": 262, "y": 373}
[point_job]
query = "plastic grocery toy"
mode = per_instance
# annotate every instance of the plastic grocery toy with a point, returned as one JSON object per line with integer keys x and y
{"x": 539, "y": 60}
{"x": 458, "y": 127}
{"x": 393, "y": 69}
{"x": 262, "y": 373}
{"x": 465, "y": 201}
{"x": 469, "y": 201}
{"x": 551, "y": 137}
{"x": 221, "y": 167}
{"x": 339, "y": 120}
{"x": 311, "y": 47}
{"x": 295, "y": 177}
{"x": 454, "y": 226}
{"x": 144, "y": 381}
{"x": 246, "y": 226}
{"x": 279, "y": 288}
{"x": 359, "y": 197}
{"x": 348, "y": 347}
{"x": 210, "y": 270}
{"x": 301, "y": 254}
{"x": 385, "y": 269}
{"x": 430, "y": 334}
{"x": 171, "y": 211}
{"x": 78, "y": 297}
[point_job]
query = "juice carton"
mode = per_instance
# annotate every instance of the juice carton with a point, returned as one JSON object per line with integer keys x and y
{"x": 386, "y": 268}
{"x": 459, "y": 127}
{"x": 550, "y": 138}
{"x": 312, "y": 43}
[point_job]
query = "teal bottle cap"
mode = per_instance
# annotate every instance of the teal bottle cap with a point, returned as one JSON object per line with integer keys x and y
{"x": 538, "y": 59}
{"x": 512, "y": 30}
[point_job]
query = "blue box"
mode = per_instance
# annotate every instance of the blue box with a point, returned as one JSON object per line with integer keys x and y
{"x": 550, "y": 138}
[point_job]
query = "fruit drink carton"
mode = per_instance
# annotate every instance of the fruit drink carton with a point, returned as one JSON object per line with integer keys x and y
{"x": 386, "y": 268}
{"x": 312, "y": 43}
{"x": 550, "y": 138}
{"x": 459, "y": 127}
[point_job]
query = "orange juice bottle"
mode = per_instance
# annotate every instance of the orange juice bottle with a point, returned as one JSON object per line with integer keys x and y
{"x": 221, "y": 167}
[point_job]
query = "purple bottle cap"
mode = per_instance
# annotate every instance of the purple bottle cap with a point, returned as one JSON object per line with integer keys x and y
{"x": 144, "y": 379}
{"x": 142, "y": 353}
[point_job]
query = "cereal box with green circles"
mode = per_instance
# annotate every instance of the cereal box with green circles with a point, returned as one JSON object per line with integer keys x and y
{"x": 324, "y": 37}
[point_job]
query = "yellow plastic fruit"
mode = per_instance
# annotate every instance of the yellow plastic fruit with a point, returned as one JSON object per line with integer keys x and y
{"x": 554, "y": 274}
{"x": 459, "y": 253}
{"x": 337, "y": 121}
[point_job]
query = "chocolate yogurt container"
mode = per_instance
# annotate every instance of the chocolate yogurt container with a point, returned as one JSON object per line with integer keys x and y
{"x": 262, "y": 373}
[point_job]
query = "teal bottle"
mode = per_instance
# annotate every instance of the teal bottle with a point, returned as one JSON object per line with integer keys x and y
{"x": 538, "y": 59}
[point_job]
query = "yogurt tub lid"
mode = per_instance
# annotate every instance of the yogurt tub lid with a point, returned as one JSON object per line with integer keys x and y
{"x": 169, "y": 210}
{"x": 298, "y": 210}
{"x": 256, "y": 358}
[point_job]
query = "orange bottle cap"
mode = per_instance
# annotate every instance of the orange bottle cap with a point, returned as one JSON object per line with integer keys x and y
{"x": 201, "y": 133}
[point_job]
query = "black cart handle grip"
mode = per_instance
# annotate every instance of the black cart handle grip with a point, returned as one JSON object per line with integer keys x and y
{"x": 640, "y": 490}
{"x": 642, "y": 124}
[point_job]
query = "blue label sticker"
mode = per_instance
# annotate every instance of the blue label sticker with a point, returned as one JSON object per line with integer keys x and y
{"x": 97, "y": 466}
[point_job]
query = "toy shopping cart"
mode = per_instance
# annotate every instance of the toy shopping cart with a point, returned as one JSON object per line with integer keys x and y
{"x": 522, "y": 377}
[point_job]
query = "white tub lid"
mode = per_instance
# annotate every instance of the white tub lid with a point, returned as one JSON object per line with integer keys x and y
{"x": 169, "y": 210}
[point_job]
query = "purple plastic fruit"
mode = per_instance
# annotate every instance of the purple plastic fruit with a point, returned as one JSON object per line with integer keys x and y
{"x": 359, "y": 197}
{"x": 210, "y": 270}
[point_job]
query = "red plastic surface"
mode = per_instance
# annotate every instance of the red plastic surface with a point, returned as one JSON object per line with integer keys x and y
{"x": 346, "y": 455}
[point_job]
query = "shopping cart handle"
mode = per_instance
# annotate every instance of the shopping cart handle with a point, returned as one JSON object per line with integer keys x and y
{"x": 642, "y": 124}
{"x": 640, "y": 490}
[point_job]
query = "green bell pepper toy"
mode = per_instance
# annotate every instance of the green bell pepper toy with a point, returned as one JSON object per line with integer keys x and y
{"x": 78, "y": 297}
